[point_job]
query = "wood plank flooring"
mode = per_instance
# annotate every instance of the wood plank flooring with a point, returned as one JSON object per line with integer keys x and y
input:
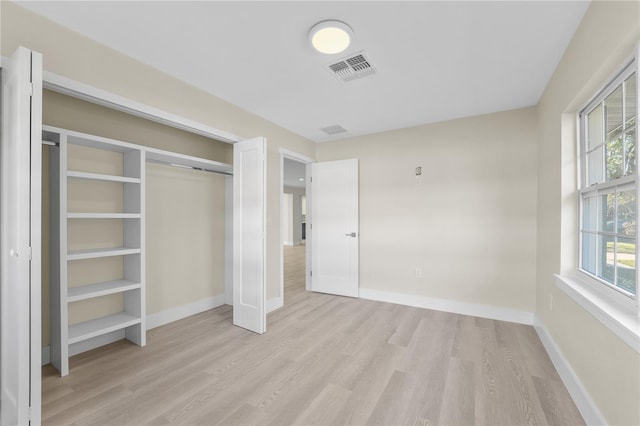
{"x": 325, "y": 360}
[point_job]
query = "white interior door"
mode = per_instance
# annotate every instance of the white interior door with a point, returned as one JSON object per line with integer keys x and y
{"x": 249, "y": 225}
{"x": 20, "y": 212}
{"x": 334, "y": 227}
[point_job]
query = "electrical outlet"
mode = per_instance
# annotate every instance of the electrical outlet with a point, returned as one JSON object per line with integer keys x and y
{"x": 551, "y": 302}
{"x": 418, "y": 272}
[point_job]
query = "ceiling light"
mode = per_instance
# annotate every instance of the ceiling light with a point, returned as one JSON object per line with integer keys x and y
{"x": 301, "y": 179}
{"x": 330, "y": 36}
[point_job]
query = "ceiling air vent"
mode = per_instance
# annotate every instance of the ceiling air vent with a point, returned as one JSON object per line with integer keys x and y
{"x": 352, "y": 67}
{"x": 334, "y": 130}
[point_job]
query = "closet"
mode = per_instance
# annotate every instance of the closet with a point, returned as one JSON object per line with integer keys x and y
{"x": 97, "y": 239}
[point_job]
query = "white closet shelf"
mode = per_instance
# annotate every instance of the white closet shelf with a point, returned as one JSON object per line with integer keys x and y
{"x": 88, "y": 329}
{"x": 89, "y": 291}
{"x": 107, "y": 178}
{"x": 93, "y": 253}
{"x": 173, "y": 158}
{"x": 104, "y": 215}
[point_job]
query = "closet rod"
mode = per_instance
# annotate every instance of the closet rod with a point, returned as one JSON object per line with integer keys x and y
{"x": 51, "y": 143}
{"x": 188, "y": 167}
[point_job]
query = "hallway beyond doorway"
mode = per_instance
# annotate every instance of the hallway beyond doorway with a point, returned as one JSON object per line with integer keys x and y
{"x": 294, "y": 270}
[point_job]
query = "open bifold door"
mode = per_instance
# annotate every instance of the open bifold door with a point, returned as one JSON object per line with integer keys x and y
{"x": 249, "y": 225}
{"x": 20, "y": 235}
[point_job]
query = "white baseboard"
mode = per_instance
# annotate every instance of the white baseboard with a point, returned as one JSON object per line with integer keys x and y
{"x": 183, "y": 311}
{"x": 582, "y": 399}
{"x": 274, "y": 303}
{"x": 472, "y": 309}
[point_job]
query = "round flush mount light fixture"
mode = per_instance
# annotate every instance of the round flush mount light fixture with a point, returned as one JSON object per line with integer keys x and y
{"x": 330, "y": 36}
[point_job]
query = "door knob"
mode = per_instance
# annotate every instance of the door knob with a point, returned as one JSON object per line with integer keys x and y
{"x": 352, "y": 235}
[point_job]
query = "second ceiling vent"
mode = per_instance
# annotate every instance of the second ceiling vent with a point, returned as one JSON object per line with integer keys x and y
{"x": 352, "y": 67}
{"x": 334, "y": 130}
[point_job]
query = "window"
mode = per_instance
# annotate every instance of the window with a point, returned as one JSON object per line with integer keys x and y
{"x": 608, "y": 194}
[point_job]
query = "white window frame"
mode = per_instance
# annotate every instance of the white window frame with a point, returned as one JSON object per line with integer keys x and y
{"x": 606, "y": 187}
{"x": 613, "y": 309}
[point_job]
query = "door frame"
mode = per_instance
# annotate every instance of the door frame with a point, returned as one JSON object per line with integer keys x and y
{"x": 291, "y": 155}
{"x": 36, "y": 238}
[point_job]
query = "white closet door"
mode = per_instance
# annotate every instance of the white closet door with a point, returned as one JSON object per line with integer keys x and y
{"x": 334, "y": 227}
{"x": 249, "y": 224}
{"x": 21, "y": 157}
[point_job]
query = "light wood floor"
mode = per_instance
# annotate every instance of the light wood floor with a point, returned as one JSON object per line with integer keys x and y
{"x": 324, "y": 360}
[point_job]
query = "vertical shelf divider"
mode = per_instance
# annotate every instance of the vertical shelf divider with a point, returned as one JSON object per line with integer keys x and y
{"x": 134, "y": 236}
{"x": 58, "y": 262}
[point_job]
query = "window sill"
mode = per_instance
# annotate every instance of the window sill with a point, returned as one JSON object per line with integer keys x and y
{"x": 621, "y": 320}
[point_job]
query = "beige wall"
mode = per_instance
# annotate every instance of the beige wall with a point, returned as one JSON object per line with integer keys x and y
{"x": 471, "y": 223}
{"x": 71, "y": 113}
{"x": 607, "y": 367}
{"x": 185, "y": 236}
{"x": 68, "y": 54}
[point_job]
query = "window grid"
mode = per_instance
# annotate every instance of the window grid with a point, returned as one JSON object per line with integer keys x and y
{"x": 608, "y": 241}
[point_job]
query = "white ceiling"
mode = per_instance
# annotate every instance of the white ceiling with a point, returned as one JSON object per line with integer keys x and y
{"x": 435, "y": 61}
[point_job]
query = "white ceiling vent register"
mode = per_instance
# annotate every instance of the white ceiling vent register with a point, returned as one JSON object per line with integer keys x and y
{"x": 334, "y": 130}
{"x": 352, "y": 67}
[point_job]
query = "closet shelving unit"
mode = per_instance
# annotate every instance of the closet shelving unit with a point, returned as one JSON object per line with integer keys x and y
{"x": 69, "y": 339}
{"x": 66, "y": 339}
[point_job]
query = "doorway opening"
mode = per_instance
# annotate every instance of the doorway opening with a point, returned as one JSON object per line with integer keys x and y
{"x": 294, "y": 231}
